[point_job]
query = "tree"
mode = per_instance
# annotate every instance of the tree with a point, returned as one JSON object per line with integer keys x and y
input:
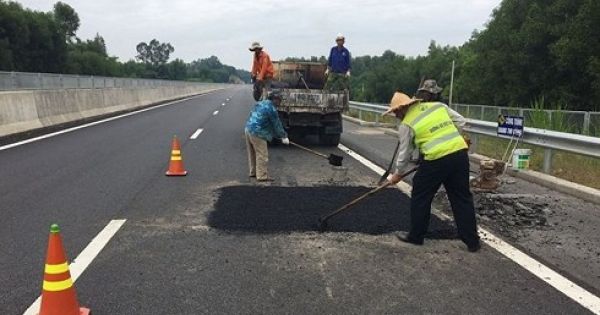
{"x": 177, "y": 70}
{"x": 67, "y": 19}
{"x": 30, "y": 40}
{"x": 154, "y": 53}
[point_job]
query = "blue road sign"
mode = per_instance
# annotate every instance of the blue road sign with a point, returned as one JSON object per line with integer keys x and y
{"x": 510, "y": 126}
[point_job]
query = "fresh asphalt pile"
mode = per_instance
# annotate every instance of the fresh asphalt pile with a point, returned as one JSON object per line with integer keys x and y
{"x": 297, "y": 209}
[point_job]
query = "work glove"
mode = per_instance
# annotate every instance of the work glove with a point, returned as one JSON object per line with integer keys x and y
{"x": 348, "y": 73}
{"x": 394, "y": 178}
{"x": 285, "y": 141}
{"x": 326, "y": 72}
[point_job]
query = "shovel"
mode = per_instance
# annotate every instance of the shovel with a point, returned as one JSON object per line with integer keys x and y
{"x": 335, "y": 160}
{"x": 323, "y": 220}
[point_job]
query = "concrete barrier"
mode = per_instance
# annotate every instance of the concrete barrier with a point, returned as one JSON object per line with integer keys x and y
{"x": 22, "y": 111}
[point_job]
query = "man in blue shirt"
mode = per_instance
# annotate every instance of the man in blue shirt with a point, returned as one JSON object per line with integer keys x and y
{"x": 263, "y": 125}
{"x": 338, "y": 66}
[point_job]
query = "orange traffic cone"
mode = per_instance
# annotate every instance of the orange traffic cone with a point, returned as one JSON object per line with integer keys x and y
{"x": 176, "y": 164}
{"x": 58, "y": 293}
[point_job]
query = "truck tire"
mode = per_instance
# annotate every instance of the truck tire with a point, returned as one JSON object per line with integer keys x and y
{"x": 330, "y": 140}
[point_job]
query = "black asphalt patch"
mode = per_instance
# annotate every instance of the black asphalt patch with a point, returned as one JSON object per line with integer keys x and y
{"x": 269, "y": 209}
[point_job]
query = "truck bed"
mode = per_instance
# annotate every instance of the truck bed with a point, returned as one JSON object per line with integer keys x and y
{"x": 313, "y": 101}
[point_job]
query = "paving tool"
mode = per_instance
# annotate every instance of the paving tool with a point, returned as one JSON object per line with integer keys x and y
{"x": 323, "y": 220}
{"x": 335, "y": 160}
{"x": 389, "y": 169}
{"x": 303, "y": 81}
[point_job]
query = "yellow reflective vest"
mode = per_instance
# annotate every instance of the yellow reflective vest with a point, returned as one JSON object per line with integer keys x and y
{"x": 435, "y": 133}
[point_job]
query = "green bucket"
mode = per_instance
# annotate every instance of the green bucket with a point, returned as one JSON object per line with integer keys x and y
{"x": 520, "y": 159}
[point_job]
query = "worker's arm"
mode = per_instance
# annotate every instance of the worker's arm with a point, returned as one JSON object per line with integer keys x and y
{"x": 265, "y": 60}
{"x": 458, "y": 120}
{"x": 276, "y": 123}
{"x": 405, "y": 149}
{"x": 329, "y": 60}
{"x": 254, "y": 71}
{"x": 348, "y": 62}
{"x": 405, "y": 137}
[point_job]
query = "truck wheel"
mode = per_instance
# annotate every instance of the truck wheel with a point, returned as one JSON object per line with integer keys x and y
{"x": 330, "y": 140}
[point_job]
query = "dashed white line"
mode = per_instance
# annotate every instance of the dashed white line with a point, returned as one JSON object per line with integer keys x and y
{"x": 85, "y": 258}
{"x": 53, "y": 134}
{"x": 553, "y": 278}
{"x": 215, "y": 113}
{"x": 196, "y": 134}
{"x": 223, "y": 104}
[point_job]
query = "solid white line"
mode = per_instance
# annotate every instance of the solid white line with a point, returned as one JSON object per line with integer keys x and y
{"x": 196, "y": 134}
{"x": 404, "y": 187}
{"x": 553, "y": 278}
{"x": 53, "y": 134}
{"x": 85, "y": 258}
{"x": 215, "y": 113}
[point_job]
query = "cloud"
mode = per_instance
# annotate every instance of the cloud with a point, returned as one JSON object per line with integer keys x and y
{"x": 225, "y": 28}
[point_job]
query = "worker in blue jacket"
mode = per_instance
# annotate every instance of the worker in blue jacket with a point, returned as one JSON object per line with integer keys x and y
{"x": 338, "y": 66}
{"x": 262, "y": 126}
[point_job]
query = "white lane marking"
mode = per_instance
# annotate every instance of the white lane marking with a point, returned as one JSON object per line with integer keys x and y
{"x": 53, "y": 134}
{"x": 223, "y": 104}
{"x": 85, "y": 258}
{"x": 215, "y": 113}
{"x": 404, "y": 187}
{"x": 196, "y": 134}
{"x": 546, "y": 274}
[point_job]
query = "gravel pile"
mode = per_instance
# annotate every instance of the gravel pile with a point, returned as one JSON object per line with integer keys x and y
{"x": 514, "y": 209}
{"x": 513, "y": 215}
{"x": 513, "y": 212}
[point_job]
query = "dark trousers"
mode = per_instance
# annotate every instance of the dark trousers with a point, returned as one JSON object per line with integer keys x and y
{"x": 452, "y": 171}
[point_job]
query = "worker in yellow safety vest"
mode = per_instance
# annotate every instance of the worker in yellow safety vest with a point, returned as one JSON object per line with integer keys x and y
{"x": 433, "y": 128}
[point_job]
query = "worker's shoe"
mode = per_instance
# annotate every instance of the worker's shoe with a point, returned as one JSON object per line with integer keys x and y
{"x": 474, "y": 248}
{"x": 405, "y": 237}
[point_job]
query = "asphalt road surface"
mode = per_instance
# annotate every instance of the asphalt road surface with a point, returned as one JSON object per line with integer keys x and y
{"x": 569, "y": 241}
{"x": 216, "y": 242}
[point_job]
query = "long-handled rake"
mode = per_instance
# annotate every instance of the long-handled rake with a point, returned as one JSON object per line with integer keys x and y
{"x": 323, "y": 220}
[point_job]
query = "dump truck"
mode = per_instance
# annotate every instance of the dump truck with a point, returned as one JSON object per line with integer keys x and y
{"x": 308, "y": 112}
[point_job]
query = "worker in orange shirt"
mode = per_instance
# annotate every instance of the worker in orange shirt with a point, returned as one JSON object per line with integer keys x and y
{"x": 262, "y": 70}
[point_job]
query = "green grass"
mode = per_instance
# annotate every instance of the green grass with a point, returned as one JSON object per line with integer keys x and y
{"x": 538, "y": 117}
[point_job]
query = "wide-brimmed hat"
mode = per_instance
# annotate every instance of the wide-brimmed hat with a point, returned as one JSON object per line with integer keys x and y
{"x": 431, "y": 87}
{"x": 255, "y": 46}
{"x": 400, "y": 100}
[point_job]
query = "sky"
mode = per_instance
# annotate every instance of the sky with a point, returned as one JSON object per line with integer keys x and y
{"x": 226, "y": 28}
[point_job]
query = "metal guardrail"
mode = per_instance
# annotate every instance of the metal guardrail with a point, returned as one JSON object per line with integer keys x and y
{"x": 570, "y": 121}
{"x": 11, "y": 81}
{"x": 547, "y": 139}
